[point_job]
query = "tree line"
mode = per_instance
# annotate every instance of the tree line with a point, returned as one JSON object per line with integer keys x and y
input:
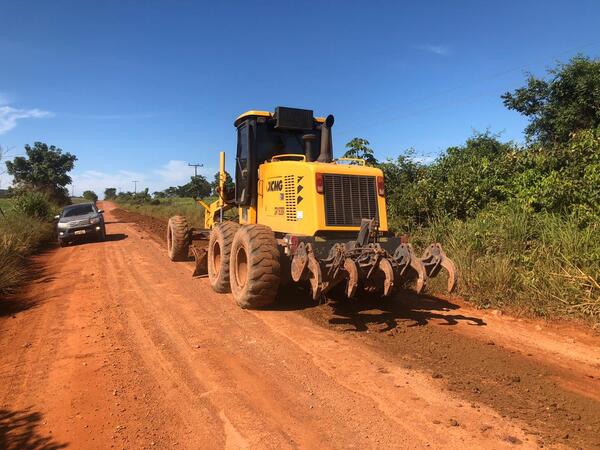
{"x": 557, "y": 170}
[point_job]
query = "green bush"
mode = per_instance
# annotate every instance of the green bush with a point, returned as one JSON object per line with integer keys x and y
{"x": 543, "y": 264}
{"x": 33, "y": 204}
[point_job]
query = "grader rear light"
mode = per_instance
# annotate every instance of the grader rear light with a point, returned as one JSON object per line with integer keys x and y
{"x": 380, "y": 186}
{"x": 319, "y": 182}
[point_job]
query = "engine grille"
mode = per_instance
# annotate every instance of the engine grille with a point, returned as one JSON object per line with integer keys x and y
{"x": 349, "y": 199}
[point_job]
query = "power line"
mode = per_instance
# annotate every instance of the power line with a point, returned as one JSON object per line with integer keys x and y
{"x": 195, "y": 166}
{"x": 454, "y": 88}
{"x": 135, "y": 182}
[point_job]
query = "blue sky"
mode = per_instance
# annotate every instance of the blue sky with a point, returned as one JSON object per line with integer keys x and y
{"x": 138, "y": 89}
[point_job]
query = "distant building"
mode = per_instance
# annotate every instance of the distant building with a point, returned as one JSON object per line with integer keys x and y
{"x": 3, "y": 193}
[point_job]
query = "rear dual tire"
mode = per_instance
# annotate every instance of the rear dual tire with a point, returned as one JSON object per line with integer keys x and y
{"x": 255, "y": 267}
{"x": 219, "y": 251}
{"x": 244, "y": 260}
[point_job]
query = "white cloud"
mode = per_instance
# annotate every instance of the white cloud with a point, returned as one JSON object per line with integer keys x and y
{"x": 9, "y": 116}
{"x": 441, "y": 50}
{"x": 172, "y": 173}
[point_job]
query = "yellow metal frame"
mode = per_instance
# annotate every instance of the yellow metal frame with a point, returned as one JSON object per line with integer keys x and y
{"x": 218, "y": 207}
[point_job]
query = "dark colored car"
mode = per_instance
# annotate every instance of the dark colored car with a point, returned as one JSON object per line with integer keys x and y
{"x": 80, "y": 221}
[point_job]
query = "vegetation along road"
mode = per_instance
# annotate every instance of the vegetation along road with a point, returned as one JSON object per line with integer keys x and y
{"x": 113, "y": 344}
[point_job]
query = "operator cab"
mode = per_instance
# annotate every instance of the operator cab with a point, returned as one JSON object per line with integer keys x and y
{"x": 263, "y": 135}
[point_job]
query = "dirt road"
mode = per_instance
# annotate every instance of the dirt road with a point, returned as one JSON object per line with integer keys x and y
{"x": 114, "y": 346}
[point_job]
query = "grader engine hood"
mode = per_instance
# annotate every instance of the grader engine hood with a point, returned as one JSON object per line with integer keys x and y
{"x": 307, "y": 198}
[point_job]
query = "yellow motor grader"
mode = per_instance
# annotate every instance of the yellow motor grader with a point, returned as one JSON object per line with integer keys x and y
{"x": 303, "y": 216}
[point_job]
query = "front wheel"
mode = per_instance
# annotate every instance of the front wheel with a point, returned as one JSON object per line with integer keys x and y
{"x": 102, "y": 234}
{"x": 178, "y": 238}
{"x": 255, "y": 267}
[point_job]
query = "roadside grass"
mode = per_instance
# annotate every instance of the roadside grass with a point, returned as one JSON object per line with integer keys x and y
{"x": 165, "y": 208}
{"x": 5, "y": 204}
{"x": 25, "y": 226}
{"x": 20, "y": 237}
{"x": 512, "y": 259}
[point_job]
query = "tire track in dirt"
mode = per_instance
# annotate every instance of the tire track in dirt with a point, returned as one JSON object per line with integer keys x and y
{"x": 127, "y": 350}
{"x": 528, "y": 376}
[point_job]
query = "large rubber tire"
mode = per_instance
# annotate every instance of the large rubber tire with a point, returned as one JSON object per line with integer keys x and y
{"x": 255, "y": 266}
{"x": 219, "y": 250}
{"x": 178, "y": 238}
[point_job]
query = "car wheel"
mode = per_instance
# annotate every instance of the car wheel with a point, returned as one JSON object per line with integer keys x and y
{"x": 102, "y": 235}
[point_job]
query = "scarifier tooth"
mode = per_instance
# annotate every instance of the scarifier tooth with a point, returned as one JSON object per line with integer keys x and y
{"x": 352, "y": 277}
{"x": 315, "y": 278}
{"x": 388, "y": 284}
{"x": 450, "y": 267}
{"x": 417, "y": 265}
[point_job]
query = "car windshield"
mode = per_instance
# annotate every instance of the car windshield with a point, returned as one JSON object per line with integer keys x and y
{"x": 78, "y": 210}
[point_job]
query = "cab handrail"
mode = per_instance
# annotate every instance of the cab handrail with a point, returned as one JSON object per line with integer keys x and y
{"x": 361, "y": 161}
{"x": 293, "y": 156}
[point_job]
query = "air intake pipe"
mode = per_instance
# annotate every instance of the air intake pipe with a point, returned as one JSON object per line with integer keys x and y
{"x": 326, "y": 155}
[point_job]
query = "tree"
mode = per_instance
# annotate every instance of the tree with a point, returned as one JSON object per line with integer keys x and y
{"x": 171, "y": 191}
{"x": 110, "y": 193}
{"x": 198, "y": 187}
{"x": 567, "y": 102}
{"x": 359, "y": 148}
{"x": 404, "y": 196}
{"x": 45, "y": 168}
{"x": 90, "y": 195}
{"x": 228, "y": 183}
{"x": 465, "y": 179}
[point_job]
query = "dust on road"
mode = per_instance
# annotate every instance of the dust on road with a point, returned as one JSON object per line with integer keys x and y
{"x": 115, "y": 346}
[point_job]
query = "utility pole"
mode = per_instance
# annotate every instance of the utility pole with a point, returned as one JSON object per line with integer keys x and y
{"x": 135, "y": 182}
{"x": 195, "y": 166}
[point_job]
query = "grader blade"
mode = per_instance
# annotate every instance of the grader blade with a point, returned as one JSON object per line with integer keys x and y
{"x": 201, "y": 257}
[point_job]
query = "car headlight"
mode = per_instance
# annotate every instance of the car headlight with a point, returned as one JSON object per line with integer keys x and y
{"x": 95, "y": 220}
{"x": 63, "y": 225}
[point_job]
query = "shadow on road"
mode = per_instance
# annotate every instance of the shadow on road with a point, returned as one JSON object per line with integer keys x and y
{"x": 405, "y": 307}
{"x": 109, "y": 238}
{"x": 13, "y": 303}
{"x": 19, "y": 430}
{"x": 116, "y": 237}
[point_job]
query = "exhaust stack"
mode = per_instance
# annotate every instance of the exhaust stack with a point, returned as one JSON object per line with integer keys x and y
{"x": 326, "y": 155}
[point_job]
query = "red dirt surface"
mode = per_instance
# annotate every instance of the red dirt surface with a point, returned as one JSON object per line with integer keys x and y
{"x": 115, "y": 346}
